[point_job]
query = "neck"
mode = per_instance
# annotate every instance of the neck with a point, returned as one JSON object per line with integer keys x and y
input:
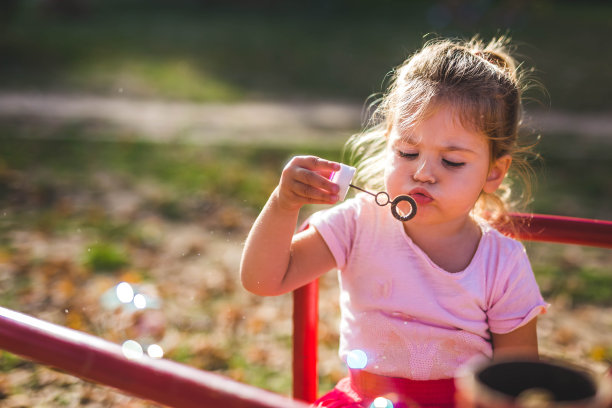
{"x": 441, "y": 231}
{"x": 450, "y": 245}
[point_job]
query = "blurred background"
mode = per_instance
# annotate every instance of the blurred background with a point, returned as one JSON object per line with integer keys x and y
{"x": 139, "y": 139}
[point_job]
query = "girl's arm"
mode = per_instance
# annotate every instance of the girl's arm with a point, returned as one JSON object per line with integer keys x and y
{"x": 522, "y": 342}
{"x": 274, "y": 261}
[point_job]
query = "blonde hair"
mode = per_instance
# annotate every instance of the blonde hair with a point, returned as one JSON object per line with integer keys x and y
{"x": 482, "y": 82}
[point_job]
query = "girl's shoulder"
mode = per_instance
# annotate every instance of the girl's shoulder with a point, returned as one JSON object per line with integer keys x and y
{"x": 495, "y": 241}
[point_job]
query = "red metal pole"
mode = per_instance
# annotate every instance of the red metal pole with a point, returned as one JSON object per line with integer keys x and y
{"x": 566, "y": 230}
{"x": 305, "y": 321}
{"x": 162, "y": 381}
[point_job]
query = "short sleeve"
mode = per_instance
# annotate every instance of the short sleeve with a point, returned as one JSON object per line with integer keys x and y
{"x": 337, "y": 227}
{"x": 515, "y": 297}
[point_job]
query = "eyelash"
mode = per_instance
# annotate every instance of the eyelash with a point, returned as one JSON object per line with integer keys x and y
{"x": 448, "y": 163}
{"x": 408, "y": 155}
{"x": 454, "y": 165}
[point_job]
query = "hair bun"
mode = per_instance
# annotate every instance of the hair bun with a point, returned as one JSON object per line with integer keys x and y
{"x": 495, "y": 52}
{"x": 494, "y": 58}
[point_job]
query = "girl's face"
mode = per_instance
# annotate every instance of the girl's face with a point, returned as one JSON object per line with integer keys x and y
{"x": 443, "y": 166}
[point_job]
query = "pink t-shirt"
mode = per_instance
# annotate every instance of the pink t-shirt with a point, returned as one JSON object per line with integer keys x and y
{"x": 410, "y": 317}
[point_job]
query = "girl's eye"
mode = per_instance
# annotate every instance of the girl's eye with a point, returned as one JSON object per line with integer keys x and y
{"x": 407, "y": 155}
{"x": 452, "y": 164}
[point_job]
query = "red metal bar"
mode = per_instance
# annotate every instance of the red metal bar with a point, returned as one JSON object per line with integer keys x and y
{"x": 92, "y": 358}
{"x": 566, "y": 230}
{"x": 305, "y": 324}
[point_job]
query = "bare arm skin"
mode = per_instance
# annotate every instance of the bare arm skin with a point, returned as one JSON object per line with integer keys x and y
{"x": 522, "y": 342}
{"x": 274, "y": 261}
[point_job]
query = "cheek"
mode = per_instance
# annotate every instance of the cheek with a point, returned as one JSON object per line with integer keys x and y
{"x": 471, "y": 187}
{"x": 387, "y": 178}
{"x": 389, "y": 165}
{"x": 392, "y": 169}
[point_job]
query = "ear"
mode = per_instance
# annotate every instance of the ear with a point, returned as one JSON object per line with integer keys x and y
{"x": 497, "y": 173}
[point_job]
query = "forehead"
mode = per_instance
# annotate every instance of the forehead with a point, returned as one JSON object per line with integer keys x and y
{"x": 442, "y": 125}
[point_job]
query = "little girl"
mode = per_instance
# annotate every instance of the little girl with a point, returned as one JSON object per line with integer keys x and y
{"x": 418, "y": 298}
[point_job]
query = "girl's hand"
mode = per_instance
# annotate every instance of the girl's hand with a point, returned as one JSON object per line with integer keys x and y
{"x": 305, "y": 180}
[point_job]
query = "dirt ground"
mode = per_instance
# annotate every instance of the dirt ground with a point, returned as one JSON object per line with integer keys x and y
{"x": 263, "y": 121}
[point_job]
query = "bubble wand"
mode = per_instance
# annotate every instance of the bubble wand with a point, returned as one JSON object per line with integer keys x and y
{"x": 344, "y": 177}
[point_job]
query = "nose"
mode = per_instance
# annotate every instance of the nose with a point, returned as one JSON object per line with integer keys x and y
{"x": 424, "y": 172}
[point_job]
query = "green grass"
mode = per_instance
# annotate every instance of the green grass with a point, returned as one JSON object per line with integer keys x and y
{"x": 105, "y": 257}
{"x": 244, "y": 174}
{"x": 260, "y": 375}
{"x": 9, "y": 361}
{"x": 10, "y": 297}
{"x": 580, "y": 285}
{"x": 573, "y": 177}
{"x": 342, "y": 50}
{"x": 576, "y": 274}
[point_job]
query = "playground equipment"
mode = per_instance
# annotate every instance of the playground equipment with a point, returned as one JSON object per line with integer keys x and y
{"x": 177, "y": 385}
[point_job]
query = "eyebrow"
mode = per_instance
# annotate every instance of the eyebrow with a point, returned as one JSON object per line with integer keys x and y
{"x": 458, "y": 149}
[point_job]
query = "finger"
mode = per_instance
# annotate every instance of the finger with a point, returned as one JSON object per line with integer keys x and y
{"x": 317, "y": 164}
{"x": 316, "y": 180}
{"x": 312, "y": 194}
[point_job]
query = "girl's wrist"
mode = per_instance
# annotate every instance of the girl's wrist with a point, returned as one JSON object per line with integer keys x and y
{"x": 278, "y": 205}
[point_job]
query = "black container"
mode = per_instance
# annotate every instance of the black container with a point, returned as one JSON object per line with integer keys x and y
{"x": 530, "y": 383}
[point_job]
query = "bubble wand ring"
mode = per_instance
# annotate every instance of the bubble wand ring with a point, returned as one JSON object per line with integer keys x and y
{"x": 343, "y": 179}
{"x": 382, "y": 199}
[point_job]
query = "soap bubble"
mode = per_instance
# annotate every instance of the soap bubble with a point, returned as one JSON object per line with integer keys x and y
{"x": 130, "y": 297}
{"x": 140, "y": 301}
{"x": 155, "y": 351}
{"x": 132, "y": 350}
{"x": 356, "y": 359}
{"x": 381, "y": 402}
{"x": 125, "y": 292}
{"x": 135, "y": 312}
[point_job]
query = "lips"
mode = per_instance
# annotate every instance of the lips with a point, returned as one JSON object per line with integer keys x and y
{"x": 421, "y": 196}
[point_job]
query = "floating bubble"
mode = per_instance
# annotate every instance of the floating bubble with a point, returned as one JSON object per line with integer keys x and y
{"x": 130, "y": 298}
{"x": 381, "y": 402}
{"x": 140, "y": 301}
{"x": 155, "y": 351}
{"x": 132, "y": 350}
{"x": 356, "y": 359}
{"x": 125, "y": 292}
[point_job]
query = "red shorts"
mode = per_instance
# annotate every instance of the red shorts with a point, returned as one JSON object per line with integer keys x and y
{"x": 361, "y": 388}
